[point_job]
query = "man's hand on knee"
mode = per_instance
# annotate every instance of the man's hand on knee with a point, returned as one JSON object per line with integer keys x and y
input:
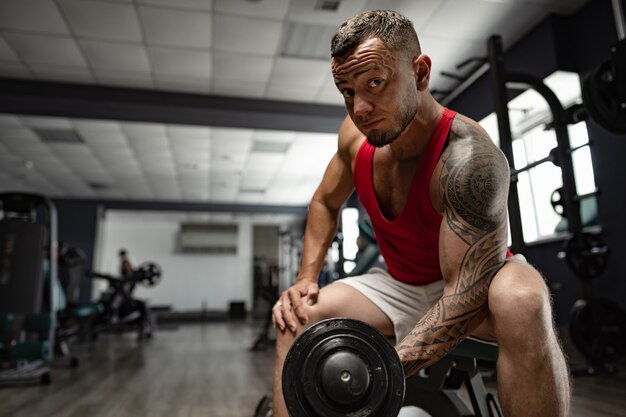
{"x": 290, "y": 306}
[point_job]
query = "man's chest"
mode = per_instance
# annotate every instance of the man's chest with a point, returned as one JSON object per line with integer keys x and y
{"x": 395, "y": 184}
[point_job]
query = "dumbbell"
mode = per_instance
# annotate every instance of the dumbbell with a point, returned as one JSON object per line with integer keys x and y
{"x": 342, "y": 367}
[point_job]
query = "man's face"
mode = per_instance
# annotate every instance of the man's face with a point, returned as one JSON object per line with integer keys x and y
{"x": 379, "y": 90}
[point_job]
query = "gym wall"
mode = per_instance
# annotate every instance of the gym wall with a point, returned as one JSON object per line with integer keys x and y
{"x": 575, "y": 43}
{"x": 191, "y": 282}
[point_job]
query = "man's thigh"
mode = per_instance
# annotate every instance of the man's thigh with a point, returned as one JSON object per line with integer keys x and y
{"x": 340, "y": 300}
{"x": 378, "y": 299}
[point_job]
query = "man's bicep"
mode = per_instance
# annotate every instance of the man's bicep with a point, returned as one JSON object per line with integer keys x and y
{"x": 474, "y": 185}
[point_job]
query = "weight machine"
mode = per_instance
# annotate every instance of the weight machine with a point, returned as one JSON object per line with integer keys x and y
{"x": 28, "y": 276}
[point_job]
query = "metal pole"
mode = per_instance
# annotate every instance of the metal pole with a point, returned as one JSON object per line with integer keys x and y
{"x": 498, "y": 84}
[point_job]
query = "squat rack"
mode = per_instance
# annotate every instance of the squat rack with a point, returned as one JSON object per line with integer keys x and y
{"x": 501, "y": 81}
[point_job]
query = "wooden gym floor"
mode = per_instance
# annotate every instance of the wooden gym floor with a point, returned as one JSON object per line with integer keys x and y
{"x": 200, "y": 370}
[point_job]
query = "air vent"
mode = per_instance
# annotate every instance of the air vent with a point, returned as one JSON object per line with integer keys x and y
{"x": 207, "y": 238}
{"x": 59, "y": 135}
{"x": 328, "y": 5}
{"x": 268, "y": 146}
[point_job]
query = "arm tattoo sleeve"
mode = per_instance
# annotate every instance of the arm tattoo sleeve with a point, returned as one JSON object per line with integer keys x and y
{"x": 474, "y": 183}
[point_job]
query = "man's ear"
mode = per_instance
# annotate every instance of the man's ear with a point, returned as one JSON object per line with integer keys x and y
{"x": 421, "y": 65}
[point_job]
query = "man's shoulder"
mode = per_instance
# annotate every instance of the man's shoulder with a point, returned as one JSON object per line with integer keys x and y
{"x": 469, "y": 145}
{"x": 465, "y": 128}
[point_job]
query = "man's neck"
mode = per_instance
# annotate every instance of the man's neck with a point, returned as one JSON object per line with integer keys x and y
{"x": 413, "y": 141}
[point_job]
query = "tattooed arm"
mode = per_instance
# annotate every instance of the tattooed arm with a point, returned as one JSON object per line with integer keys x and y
{"x": 473, "y": 184}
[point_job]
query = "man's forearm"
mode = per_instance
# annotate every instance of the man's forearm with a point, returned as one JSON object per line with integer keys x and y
{"x": 444, "y": 326}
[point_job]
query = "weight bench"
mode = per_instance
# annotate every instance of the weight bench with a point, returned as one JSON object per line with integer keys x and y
{"x": 436, "y": 389}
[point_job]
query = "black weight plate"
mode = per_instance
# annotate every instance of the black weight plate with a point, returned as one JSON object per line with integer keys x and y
{"x": 598, "y": 330}
{"x": 600, "y": 96}
{"x": 556, "y": 199}
{"x": 586, "y": 255}
{"x": 304, "y": 379}
{"x": 148, "y": 274}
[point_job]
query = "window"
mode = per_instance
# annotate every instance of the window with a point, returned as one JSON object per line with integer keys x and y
{"x": 533, "y": 139}
{"x": 350, "y": 232}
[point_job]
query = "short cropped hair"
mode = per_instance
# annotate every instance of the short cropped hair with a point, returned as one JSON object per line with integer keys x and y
{"x": 394, "y": 29}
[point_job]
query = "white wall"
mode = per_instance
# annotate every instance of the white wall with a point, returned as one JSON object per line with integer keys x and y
{"x": 189, "y": 281}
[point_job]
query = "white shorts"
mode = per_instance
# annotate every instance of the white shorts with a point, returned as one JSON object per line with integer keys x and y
{"x": 404, "y": 304}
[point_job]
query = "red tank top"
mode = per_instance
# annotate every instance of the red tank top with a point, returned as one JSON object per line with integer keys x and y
{"x": 410, "y": 243}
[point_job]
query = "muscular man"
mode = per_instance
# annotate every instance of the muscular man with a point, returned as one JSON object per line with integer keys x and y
{"x": 435, "y": 188}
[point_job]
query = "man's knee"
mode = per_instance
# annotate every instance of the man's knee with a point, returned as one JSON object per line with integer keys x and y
{"x": 519, "y": 301}
{"x": 321, "y": 310}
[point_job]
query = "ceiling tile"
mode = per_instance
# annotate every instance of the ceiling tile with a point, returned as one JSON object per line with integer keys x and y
{"x": 49, "y": 50}
{"x": 103, "y": 139}
{"x": 6, "y": 53}
{"x": 108, "y": 192}
{"x": 181, "y": 62}
{"x": 17, "y": 133}
{"x": 143, "y": 130}
{"x": 307, "y": 41}
{"x": 111, "y": 56}
{"x": 189, "y": 135}
{"x": 230, "y": 166}
{"x": 43, "y": 122}
{"x": 300, "y": 72}
{"x": 10, "y": 120}
{"x": 97, "y": 126}
{"x": 227, "y": 140}
{"x": 249, "y": 198}
{"x": 263, "y": 162}
{"x": 198, "y": 152}
{"x": 186, "y": 84}
{"x": 273, "y": 9}
{"x": 72, "y": 153}
{"x": 237, "y": 88}
{"x": 278, "y": 91}
{"x": 274, "y": 136}
{"x": 242, "y": 34}
{"x": 102, "y": 20}
{"x": 63, "y": 74}
{"x": 112, "y": 153}
{"x": 125, "y": 79}
{"x": 32, "y": 15}
{"x": 247, "y": 68}
{"x": 31, "y": 153}
{"x": 14, "y": 70}
{"x": 187, "y": 29}
{"x": 149, "y": 147}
